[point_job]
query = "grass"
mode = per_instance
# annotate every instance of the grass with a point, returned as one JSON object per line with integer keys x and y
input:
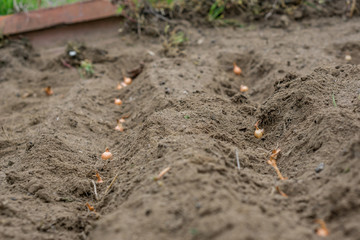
{"x": 14, "y": 6}
{"x": 333, "y": 100}
{"x": 216, "y": 12}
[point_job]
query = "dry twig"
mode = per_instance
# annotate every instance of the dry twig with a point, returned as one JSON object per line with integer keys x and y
{"x": 112, "y": 182}
{"x": 96, "y": 195}
{"x": 237, "y": 159}
{"x": 352, "y": 9}
{"x": 281, "y": 192}
{"x": 162, "y": 173}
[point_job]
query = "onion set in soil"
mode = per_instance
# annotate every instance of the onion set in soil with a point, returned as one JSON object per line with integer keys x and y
{"x": 99, "y": 180}
{"x": 258, "y": 132}
{"x": 117, "y": 101}
{"x": 48, "y": 91}
{"x": 106, "y": 155}
{"x": 121, "y": 85}
{"x": 127, "y": 80}
{"x": 243, "y": 88}
{"x": 237, "y": 69}
{"x": 322, "y": 231}
{"x": 91, "y": 208}
{"x": 119, "y": 127}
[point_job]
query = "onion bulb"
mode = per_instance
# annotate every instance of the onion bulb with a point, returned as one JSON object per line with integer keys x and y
{"x": 106, "y": 155}
{"x": 119, "y": 86}
{"x": 91, "y": 208}
{"x": 323, "y": 230}
{"x": 237, "y": 69}
{"x": 48, "y": 91}
{"x": 117, "y": 101}
{"x": 119, "y": 128}
{"x": 348, "y": 57}
{"x": 243, "y": 88}
{"x": 127, "y": 80}
{"x": 99, "y": 180}
{"x": 258, "y": 132}
{"x": 122, "y": 120}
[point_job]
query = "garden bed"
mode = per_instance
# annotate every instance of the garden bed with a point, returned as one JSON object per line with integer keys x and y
{"x": 185, "y": 111}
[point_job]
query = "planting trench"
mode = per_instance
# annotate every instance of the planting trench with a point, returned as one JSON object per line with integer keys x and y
{"x": 187, "y": 113}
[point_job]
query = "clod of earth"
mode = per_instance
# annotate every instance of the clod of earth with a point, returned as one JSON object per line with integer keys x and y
{"x": 320, "y": 167}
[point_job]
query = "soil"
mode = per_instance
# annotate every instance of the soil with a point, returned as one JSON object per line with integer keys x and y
{"x": 185, "y": 112}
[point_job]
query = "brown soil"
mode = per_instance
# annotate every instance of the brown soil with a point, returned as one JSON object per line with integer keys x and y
{"x": 186, "y": 113}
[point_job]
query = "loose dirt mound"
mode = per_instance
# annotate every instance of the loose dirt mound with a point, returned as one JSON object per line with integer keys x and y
{"x": 185, "y": 113}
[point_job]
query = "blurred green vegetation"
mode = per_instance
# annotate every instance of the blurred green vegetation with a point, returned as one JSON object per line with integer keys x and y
{"x": 214, "y": 10}
{"x": 14, "y": 6}
{"x": 211, "y": 10}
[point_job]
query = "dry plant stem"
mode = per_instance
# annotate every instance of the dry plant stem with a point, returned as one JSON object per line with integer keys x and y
{"x": 237, "y": 159}
{"x": 281, "y": 192}
{"x": 352, "y": 9}
{"x": 65, "y": 63}
{"x": 112, "y": 182}
{"x": 275, "y": 153}
{"x": 257, "y": 125}
{"x": 96, "y": 195}
{"x": 162, "y": 173}
{"x": 4, "y": 130}
{"x": 272, "y": 162}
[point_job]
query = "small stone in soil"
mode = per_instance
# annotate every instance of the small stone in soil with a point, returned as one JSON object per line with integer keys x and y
{"x": 29, "y": 145}
{"x": 320, "y": 167}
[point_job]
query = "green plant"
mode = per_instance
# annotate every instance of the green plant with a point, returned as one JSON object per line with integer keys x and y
{"x": 177, "y": 38}
{"x": 333, "y": 100}
{"x": 14, "y": 6}
{"x": 86, "y": 68}
{"x": 173, "y": 41}
{"x": 217, "y": 10}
